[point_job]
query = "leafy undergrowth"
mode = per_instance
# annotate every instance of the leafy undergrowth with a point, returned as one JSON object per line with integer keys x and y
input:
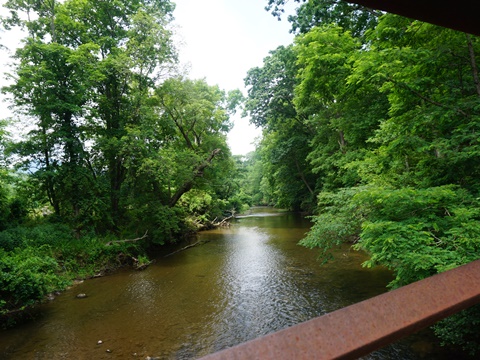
{"x": 38, "y": 261}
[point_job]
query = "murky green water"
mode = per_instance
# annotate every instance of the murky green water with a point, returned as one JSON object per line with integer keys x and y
{"x": 248, "y": 280}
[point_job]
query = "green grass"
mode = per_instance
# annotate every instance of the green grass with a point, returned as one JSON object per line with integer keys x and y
{"x": 39, "y": 260}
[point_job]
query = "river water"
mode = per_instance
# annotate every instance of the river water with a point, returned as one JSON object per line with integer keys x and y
{"x": 247, "y": 280}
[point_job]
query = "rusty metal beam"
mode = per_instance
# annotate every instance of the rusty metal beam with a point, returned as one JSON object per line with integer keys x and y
{"x": 460, "y": 15}
{"x": 361, "y": 328}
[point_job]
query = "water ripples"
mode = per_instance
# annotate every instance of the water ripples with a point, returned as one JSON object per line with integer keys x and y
{"x": 246, "y": 281}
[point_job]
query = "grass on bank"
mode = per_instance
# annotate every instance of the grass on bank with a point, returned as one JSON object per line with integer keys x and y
{"x": 40, "y": 260}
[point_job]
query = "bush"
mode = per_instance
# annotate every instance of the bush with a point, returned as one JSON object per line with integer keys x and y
{"x": 414, "y": 232}
{"x": 419, "y": 232}
{"x": 26, "y": 276}
{"x": 339, "y": 221}
{"x": 461, "y": 329}
{"x": 35, "y": 261}
{"x": 42, "y": 234}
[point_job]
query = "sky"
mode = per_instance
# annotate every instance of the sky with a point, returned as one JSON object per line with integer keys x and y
{"x": 223, "y": 40}
{"x": 219, "y": 40}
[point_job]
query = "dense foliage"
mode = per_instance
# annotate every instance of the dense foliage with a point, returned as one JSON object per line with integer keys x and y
{"x": 379, "y": 122}
{"x": 370, "y": 122}
{"x": 36, "y": 261}
{"x": 108, "y": 142}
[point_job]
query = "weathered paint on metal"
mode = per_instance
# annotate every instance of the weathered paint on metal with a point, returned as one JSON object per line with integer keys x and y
{"x": 459, "y": 14}
{"x": 361, "y": 328}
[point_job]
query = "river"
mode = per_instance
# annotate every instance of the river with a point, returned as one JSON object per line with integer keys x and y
{"x": 247, "y": 280}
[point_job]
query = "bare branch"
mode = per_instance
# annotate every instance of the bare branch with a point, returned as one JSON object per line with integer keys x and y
{"x": 127, "y": 240}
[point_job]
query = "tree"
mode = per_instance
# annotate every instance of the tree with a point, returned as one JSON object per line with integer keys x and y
{"x": 135, "y": 47}
{"x": 84, "y": 76}
{"x": 52, "y": 88}
{"x": 180, "y": 147}
{"x": 416, "y": 211}
{"x": 343, "y": 112}
{"x": 270, "y": 104}
{"x": 427, "y": 72}
{"x": 311, "y": 13}
{"x": 270, "y": 90}
{"x": 197, "y": 114}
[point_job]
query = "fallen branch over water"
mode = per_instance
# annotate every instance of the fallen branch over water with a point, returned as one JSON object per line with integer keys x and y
{"x": 127, "y": 240}
{"x": 141, "y": 265}
{"x": 224, "y": 222}
{"x": 186, "y": 247}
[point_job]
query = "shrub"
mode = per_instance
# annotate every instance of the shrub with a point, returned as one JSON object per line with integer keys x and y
{"x": 414, "y": 232}
{"x": 26, "y": 276}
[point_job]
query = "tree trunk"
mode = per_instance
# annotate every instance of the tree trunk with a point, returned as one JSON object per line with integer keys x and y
{"x": 473, "y": 63}
{"x": 342, "y": 141}
{"x": 198, "y": 172}
{"x": 49, "y": 181}
{"x": 302, "y": 176}
{"x": 116, "y": 181}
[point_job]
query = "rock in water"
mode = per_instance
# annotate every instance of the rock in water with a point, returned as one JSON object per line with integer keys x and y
{"x": 81, "y": 296}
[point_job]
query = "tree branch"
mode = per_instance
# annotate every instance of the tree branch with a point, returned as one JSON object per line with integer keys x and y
{"x": 430, "y": 101}
{"x": 185, "y": 248}
{"x": 302, "y": 176}
{"x": 473, "y": 63}
{"x": 126, "y": 240}
{"x": 178, "y": 124}
{"x": 198, "y": 172}
{"x": 225, "y": 220}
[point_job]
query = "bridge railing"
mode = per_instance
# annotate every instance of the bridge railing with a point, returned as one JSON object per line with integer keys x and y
{"x": 361, "y": 328}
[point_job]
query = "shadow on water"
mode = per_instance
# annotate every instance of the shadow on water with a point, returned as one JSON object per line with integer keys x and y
{"x": 247, "y": 280}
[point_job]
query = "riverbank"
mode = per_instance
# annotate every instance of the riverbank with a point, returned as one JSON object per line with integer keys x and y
{"x": 38, "y": 262}
{"x": 246, "y": 280}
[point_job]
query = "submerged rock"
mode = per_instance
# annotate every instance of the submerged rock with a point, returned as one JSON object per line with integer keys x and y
{"x": 81, "y": 296}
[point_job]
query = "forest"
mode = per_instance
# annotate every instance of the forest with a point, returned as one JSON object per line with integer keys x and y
{"x": 370, "y": 126}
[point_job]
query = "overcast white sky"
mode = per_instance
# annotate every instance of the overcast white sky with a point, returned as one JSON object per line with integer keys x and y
{"x": 222, "y": 40}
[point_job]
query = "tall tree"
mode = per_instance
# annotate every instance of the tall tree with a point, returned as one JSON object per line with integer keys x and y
{"x": 270, "y": 105}
{"x": 52, "y": 89}
{"x": 428, "y": 74}
{"x": 180, "y": 148}
{"x": 311, "y": 13}
{"x": 417, "y": 212}
{"x": 98, "y": 62}
{"x": 135, "y": 47}
{"x": 343, "y": 113}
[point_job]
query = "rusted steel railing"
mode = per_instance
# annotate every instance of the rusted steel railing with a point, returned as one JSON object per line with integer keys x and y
{"x": 361, "y": 328}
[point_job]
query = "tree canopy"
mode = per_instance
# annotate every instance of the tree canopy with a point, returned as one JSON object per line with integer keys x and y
{"x": 370, "y": 124}
{"x": 116, "y": 143}
{"x": 380, "y": 115}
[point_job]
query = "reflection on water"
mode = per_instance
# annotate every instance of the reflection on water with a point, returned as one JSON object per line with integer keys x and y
{"x": 248, "y": 280}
